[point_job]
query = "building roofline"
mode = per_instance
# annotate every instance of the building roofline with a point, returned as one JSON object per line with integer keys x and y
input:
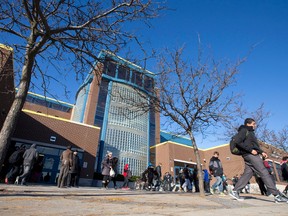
{"x": 214, "y": 147}
{"x": 126, "y": 61}
{"x": 171, "y": 142}
{"x": 60, "y": 119}
{"x": 186, "y": 138}
{"x": 180, "y": 136}
{"x": 6, "y": 47}
{"x": 102, "y": 54}
{"x": 180, "y": 144}
{"x": 51, "y": 99}
{"x": 183, "y": 161}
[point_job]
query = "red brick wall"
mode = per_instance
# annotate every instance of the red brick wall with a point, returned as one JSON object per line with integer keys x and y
{"x": 7, "y": 89}
{"x": 39, "y": 128}
{"x": 232, "y": 165}
{"x": 93, "y": 96}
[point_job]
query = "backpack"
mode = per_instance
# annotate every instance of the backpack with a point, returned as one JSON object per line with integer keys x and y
{"x": 233, "y": 145}
{"x": 15, "y": 157}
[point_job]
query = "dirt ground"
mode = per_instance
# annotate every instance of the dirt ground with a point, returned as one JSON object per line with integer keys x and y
{"x": 50, "y": 200}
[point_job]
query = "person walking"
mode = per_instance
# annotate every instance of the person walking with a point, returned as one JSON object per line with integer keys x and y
{"x": 252, "y": 154}
{"x": 235, "y": 179}
{"x": 167, "y": 182}
{"x": 206, "y": 179}
{"x": 16, "y": 161}
{"x": 114, "y": 167}
{"x": 269, "y": 169}
{"x": 259, "y": 181}
{"x": 216, "y": 169}
{"x": 225, "y": 184}
{"x": 158, "y": 175}
{"x": 187, "y": 184}
{"x": 30, "y": 156}
{"x": 150, "y": 176}
{"x": 66, "y": 163}
{"x": 195, "y": 180}
{"x": 127, "y": 174}
{"x": 181, "y": 179}
{"x": 284, "y": 169}
{"x": 106, "y": 167}
{"x": 73, "y": 177}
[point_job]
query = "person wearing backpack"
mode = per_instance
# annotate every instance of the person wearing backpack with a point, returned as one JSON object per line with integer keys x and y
{"x": 30, "y": 156}
{"x": 216, "y": 169}
{"x": 16, "y": 161}
{"x": 284, "y": 169}
{"x": 252, "y": 155}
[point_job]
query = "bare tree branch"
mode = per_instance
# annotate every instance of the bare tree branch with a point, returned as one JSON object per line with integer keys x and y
{"x": 58, "y": 32}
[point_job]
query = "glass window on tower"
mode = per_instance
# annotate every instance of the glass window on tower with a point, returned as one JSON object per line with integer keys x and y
{"x": 110, "y": 67}
{"x": 148, "y": 83}
{"x": 123, "y": 73}
{"x": 137, "y": 78}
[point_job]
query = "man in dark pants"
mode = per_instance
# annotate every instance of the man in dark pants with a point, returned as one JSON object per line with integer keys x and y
{"x": 66, "y": 163}
{"x": 30, "y": 156}
{"x": 73, "y": 176}
{"x": 16, "y": 161}
{"x": 247, "y": 143}
{"x": 216, "y": 169}
{"x": 284, "y": 169}
{"x": 158, "y": 176}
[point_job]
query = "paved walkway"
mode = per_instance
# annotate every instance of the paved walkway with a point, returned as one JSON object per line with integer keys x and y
{"x": 50, "y": 200}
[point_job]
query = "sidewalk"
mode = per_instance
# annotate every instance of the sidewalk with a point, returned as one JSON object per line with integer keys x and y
{"x": 50, "y": 200}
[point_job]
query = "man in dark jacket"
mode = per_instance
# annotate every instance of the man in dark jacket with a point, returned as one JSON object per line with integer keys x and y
{"x": 187, "y": 184}
{"x": 115, "y": 168}
{"x": 30, "y": 156}
{"x": 16, "y": 161}
{"x": 252, "y": 154}
{"x": 216, "y": 169}
{"x": 73, "y": 177}
{"x": 150, "y": 176}
{"x": 66, "y": 163}
{"x": 158, "y": 175}
{"x": 106, "y": 167}
{"x": 284, "y": 169}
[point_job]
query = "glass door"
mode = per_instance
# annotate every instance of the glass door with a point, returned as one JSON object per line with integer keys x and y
{"x": 50, "y": 169}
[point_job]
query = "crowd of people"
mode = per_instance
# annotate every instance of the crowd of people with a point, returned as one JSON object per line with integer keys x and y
{"x": 110, "y": 172}
{"x": 23, "y": 160}
{"x": 24, "y": 164}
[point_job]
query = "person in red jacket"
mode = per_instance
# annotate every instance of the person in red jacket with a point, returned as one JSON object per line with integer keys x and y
{"x": 127, "y": 175}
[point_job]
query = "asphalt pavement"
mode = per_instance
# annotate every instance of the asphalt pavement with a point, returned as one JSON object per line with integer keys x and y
{"x": 50, "y": 200}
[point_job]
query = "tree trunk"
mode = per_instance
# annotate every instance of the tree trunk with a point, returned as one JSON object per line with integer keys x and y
{"x": 199, "y": 167}
{"x": 10, "y": 122}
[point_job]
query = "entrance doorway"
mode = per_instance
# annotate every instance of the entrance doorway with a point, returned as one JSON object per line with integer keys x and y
{"x": 50, "y": 169}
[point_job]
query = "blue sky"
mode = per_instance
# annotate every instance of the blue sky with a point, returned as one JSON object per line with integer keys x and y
{"x": 231, "y": 28}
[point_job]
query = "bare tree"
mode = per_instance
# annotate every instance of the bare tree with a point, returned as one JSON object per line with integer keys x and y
{"x": 278, "y": 139}
{"x": 274, "y": 139}
{"x": 71, "y": 32}
{"x": 196, "y": 96}
{"x": 260, "y": 115}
